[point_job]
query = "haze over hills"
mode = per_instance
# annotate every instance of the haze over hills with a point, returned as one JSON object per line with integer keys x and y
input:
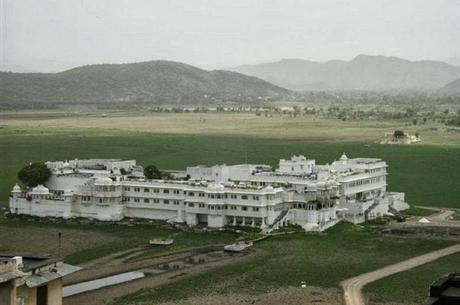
{"x": 153, "y": 82}
{"x": 452, "y": 87}
{"x": 364, "y": 72}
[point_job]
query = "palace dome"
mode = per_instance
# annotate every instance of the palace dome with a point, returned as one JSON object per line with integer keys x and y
{"x": 40, "y": 190}
{"x": 16, "y": 188}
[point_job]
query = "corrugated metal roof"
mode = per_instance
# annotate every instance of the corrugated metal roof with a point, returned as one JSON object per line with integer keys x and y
{"x": 48, "y": 276}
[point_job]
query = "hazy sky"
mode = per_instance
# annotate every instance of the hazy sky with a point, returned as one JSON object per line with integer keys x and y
{"x": 45, "y": 35}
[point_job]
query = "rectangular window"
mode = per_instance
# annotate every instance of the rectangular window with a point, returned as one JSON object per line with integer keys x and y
{"x": 146, "y": 190}
{"x": 191, "y": 194}
{"x": 146, "y": 200}
{"x": 255, "y": 209}
{"x": 156, "y": 200}
{"x": 166, "y": 201}
{"x": 165, "y": 191}
{"x": 191, "y": 204}
{"x": 137, "y": 189}
{"x": 244, "y": 197}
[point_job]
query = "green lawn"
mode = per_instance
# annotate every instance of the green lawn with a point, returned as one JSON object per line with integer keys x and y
{"x": 320, "y": 259}
{"x": 412, "y": 286}
{"x": 427, "y": 174}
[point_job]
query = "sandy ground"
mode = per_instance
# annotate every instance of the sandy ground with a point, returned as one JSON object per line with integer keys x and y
{"x": 109, "y": 294}
{"x": 30, "y": 239}
{"x": 353, "y": 287}
{"x": 288, "y": 296}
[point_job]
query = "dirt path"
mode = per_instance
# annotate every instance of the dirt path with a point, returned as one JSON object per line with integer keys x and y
{"x": 352, "y": 287}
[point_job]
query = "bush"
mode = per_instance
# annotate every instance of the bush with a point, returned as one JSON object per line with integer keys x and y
{"x": 398, "y": 134}
{"x": 152, "y": 172}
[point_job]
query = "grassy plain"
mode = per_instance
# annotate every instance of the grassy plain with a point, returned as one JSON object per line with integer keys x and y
{"x": 84, "y": 242}
{"x": 412, "y": 285}
{"x": 320, "y": 259}
{"x": 428, "y": 174}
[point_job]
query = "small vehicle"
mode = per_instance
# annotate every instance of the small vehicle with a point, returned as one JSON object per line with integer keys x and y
{"x": 303, "y": 284}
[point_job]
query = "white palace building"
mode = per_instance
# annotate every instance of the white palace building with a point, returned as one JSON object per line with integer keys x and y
{"x": 298, "y": 192}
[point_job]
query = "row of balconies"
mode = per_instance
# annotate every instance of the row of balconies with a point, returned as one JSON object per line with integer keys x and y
{"x": 217, "y": 210}
{"x": 161, "y": 196}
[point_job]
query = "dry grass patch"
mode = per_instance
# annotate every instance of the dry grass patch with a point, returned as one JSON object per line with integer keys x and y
{"x": 288, "y": 295}
{"x": 248, "y": 124}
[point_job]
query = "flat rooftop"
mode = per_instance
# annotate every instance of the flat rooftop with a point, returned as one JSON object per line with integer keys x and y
{"x": 32, "y": 260}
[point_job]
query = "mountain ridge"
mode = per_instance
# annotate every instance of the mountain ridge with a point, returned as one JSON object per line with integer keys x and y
{"x": 363, "y": 72}
{"x": 155, "y": 82}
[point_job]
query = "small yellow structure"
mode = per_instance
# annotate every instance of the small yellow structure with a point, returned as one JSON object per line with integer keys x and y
{"x": 32, "y": 279}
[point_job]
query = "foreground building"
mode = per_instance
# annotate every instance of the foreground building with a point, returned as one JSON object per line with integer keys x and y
{"x": 445, "y": 291}
{"x": 298, "y": 192}
{"x": 32, "y": 279}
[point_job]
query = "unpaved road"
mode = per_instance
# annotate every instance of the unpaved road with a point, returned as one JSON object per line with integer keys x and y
{"x": 352, "y": 287}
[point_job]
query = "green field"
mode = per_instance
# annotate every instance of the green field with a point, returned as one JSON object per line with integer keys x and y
{"x": 427, "y": 174}
{"x": 320, "y": 259}
{"x": 412, "y": 285}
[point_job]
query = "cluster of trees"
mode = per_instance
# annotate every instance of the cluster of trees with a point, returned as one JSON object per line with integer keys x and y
{"x": 152, "y": 172}
{"x": 34, "y": 174}
{"x": 407, "y": 97}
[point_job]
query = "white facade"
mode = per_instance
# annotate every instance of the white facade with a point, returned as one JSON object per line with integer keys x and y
{"x": 297, "y": 165}
{"x": 299, "y": 192}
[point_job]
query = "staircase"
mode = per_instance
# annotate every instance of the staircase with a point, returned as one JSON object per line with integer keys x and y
{"x": 366, "y": 213}
{"x": 277, "y": 220}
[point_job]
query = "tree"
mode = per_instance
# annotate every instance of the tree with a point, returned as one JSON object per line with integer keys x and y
{"x": 34, "y": 174}
{"x": 398, "y": 134}
{"x": 152, "y": 172}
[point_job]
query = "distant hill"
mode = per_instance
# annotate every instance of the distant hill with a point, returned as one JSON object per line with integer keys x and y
{"x": 148, "y": 82}
{"x": 362, "y": 73}
{"x": 452, "y": 87}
